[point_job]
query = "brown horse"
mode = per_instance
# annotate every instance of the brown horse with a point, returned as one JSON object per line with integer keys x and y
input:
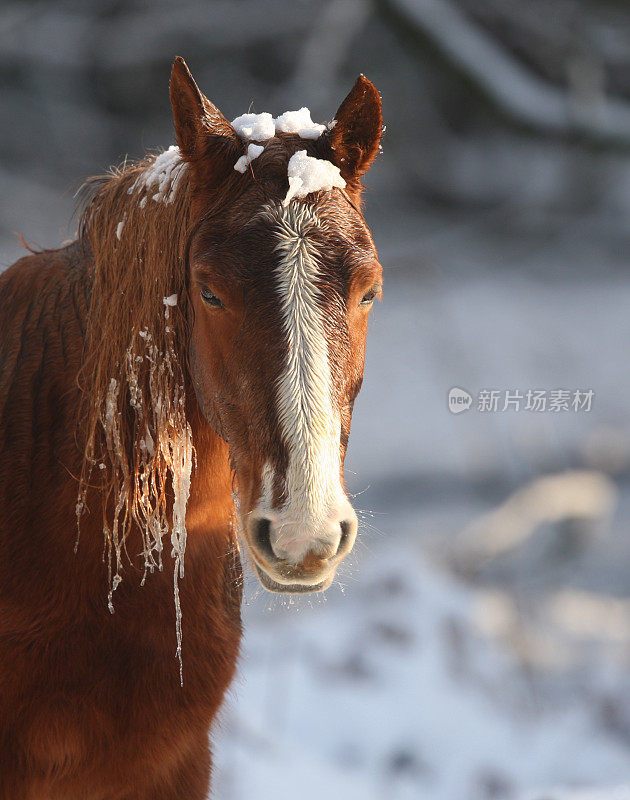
{"x": 202, "y": 340}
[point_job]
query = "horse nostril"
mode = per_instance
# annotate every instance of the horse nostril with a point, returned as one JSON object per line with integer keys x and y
{"x": 346, "y": 531}
{"x": 262, "y": 537}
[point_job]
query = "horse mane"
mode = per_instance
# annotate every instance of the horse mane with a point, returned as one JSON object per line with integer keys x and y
{"x": 138, "y": 444}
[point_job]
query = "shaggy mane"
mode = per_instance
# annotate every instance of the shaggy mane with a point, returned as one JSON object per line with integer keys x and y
{"x": 138, "y": 443}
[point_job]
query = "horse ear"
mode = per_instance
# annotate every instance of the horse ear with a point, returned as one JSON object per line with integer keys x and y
{"x": 356, "y": 136}
{"x": 197, "y": 120}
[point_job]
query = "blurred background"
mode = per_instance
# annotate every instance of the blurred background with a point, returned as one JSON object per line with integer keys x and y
{"x": 478, "y": 645}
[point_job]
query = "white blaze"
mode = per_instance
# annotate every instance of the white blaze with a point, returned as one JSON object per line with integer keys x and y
{"x": 310, "y": 426}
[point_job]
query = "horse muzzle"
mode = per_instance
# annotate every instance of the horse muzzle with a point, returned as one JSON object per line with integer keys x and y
{"x": 298, "y": 557}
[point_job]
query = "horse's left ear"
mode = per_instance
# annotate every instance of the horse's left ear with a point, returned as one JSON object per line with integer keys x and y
{"x": 197, "y": 121}
{"x": 356, "y": 135}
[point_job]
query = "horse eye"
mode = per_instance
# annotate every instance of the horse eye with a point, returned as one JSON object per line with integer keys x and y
{"x": 210, "y": 298}
{"x": 368, "y": 298}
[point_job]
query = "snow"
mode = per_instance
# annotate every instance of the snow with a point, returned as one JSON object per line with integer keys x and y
{"x": 397, "y": 684}
{"x": 165, "y": 172}
{"x": 253, "y": 151}
{"x": 169, "y": 302}
{"x": 258, "y": 127}
{"x": 119, "y": 228}
{"x": 111, "y": 405}
{"x": 111, "y": 426}
{"x": 261, "y": 127}
{"x": 299, "y": 122}
{"x": 147, "y": 443}
{"x": 307, "y": 174}
{"x": 164, "y": 431}
{"x": 181, "y": 447}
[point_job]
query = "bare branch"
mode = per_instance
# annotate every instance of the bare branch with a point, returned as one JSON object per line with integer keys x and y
{"x": 520, "y": 95}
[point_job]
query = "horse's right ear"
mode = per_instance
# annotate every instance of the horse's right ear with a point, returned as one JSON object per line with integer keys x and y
{"x": 197, "y": 121}
{"x": 356, "y": 135}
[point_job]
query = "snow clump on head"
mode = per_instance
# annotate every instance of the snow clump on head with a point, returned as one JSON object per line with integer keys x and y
{"x": 299, "y": 122}
{"x": 258, "y": 127}
{"x": 307, "y": 174}
{"x": 253, "y": 151}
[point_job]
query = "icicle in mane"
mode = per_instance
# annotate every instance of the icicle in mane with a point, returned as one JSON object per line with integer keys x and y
{"x": 138, "y": 449}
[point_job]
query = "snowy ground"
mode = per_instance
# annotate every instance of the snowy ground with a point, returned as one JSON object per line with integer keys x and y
{"x": 394, "y": 688}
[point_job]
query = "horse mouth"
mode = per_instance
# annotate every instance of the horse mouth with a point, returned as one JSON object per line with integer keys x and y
{"x": 290, "y": 588}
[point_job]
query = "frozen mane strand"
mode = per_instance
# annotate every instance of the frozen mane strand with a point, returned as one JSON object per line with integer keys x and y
{"x": 138, "y": 443}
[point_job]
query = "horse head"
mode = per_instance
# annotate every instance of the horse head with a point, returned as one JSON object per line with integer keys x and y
{"x": 282, "y": 273}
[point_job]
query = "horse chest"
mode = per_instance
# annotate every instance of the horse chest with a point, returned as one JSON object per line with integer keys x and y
{"x": 110, "y": 685}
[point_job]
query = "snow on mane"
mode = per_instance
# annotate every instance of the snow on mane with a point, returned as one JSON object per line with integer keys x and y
{"x": 165, "y": 173}
{"x": 307, "y": 174}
